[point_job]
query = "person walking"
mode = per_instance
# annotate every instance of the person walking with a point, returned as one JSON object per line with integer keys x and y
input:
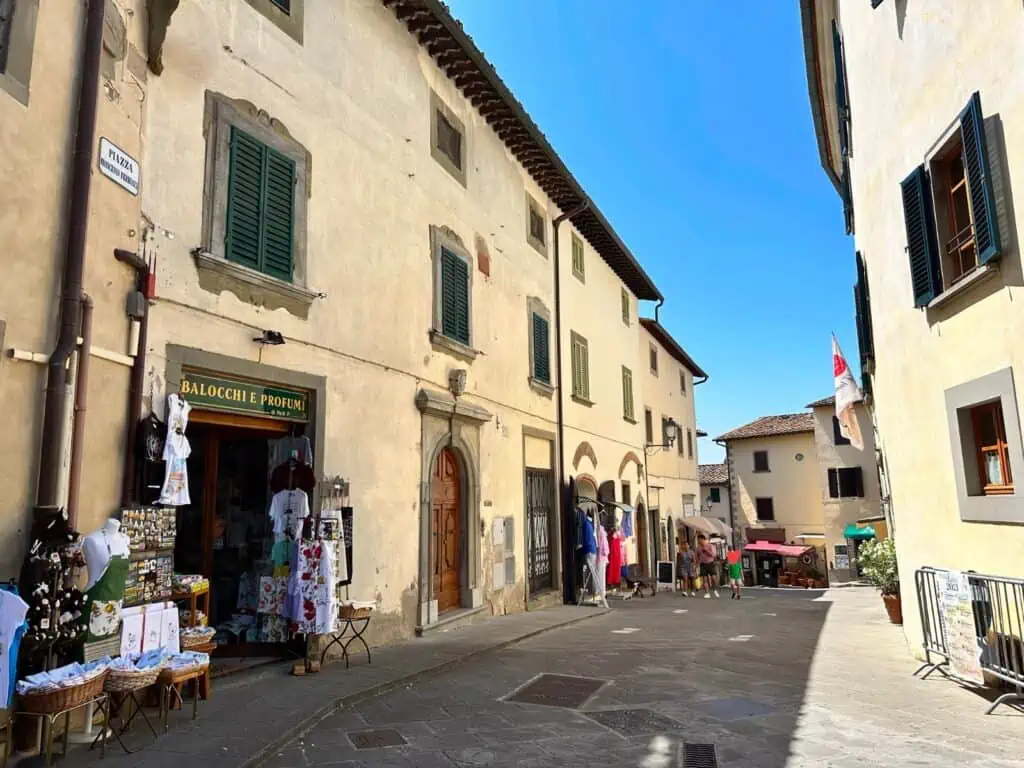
{"x": 708, "y": 566}
{"x": 732, "y": 561}
{"x": 686, "y": 570}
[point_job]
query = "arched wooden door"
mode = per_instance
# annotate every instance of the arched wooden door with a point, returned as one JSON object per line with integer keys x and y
{"x": 447, "y": 533}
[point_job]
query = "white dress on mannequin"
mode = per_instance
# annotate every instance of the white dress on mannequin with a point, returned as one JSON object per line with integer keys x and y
{"x": 99, "y": 546}
{"x": 600, "y": 574}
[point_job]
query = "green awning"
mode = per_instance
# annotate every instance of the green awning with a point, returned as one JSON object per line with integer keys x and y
{"x": 857, "y": 532}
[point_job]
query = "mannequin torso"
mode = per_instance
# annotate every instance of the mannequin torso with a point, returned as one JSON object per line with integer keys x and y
{"x": 99, "y": 546}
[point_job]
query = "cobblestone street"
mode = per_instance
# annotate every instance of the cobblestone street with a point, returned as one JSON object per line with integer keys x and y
{"x": 780, "y": 679}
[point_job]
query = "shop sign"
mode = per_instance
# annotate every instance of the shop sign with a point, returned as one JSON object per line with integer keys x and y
{"x": 221, "y": 393}
{"x": 956, "y": 615}
{"x": 118, "y": 166}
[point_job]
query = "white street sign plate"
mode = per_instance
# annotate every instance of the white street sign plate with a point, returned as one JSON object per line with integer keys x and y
{"x": 120, "y": 167}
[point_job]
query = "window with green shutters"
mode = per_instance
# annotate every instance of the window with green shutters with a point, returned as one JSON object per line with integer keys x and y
{"x": 261, "y": 207}
{"x": 950, "y": 209}
{"x": 455, "y": 321}
{"x": 865, "y": 333}
{"x": 541, "y": 349}
{"x": 627, "y": 395}
{"x": 580, "y": 368}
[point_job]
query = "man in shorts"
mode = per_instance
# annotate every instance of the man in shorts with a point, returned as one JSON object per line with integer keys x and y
{"x": 708, "y": 566}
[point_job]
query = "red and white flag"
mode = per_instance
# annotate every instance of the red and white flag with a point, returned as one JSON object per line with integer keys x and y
{"x": 848, "y": 394}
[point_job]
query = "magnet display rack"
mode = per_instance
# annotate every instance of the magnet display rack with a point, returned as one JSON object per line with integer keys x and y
{"x": 151, "y": 532}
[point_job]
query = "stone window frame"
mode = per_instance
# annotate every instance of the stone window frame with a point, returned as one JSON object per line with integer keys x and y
{"x": 973, "y": 505}
{"x": 443, "y": 237}
{"x": 541, "y": 246}
{"x": 439, "y": 108}
{"x": 767, "y": 462}
{"x": 652, "y": 362}
{"x": 535, "y": 306}
{"x": 216, "y": 273}
{"x": 291, "y": 23}
{"x": 16, "y": 74}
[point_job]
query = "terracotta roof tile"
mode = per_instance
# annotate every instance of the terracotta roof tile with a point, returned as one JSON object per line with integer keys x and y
{"x": 766, "y": 426}
{"x": 713, "y": 474}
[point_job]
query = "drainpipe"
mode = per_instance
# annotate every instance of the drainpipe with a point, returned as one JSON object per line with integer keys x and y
{"x": 656, "y": 308}
{"x": 74, "y": 262}
{"x": 81, "y": 401}
{"x": 138, "y": 371}
{"x": 559, "y": 405}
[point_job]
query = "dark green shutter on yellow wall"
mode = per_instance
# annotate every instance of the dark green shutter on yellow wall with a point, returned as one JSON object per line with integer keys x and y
{"x": 925, "y": 276}
{"x": 979, "y": 181}
{"x": 454, "y": 297}
{"x": 261, "y": 207}
{"x": 541, "y": 355}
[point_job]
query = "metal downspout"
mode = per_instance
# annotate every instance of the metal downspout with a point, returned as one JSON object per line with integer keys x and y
{"x": 74, "y": 263}
{"x": 138, "y": 374}
{"x": 559, "y": 397}
{"x": 81, "y": 403}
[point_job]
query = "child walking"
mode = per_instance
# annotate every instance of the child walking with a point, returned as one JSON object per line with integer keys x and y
{"x": 735, "y": 573}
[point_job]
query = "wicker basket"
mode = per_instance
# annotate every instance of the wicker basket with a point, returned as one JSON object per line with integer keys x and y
{"x": 349, "y": 612}
{"x": 194, "y": 642}
{"x": 124, "y": 680}
{"x": 63, "y": 698}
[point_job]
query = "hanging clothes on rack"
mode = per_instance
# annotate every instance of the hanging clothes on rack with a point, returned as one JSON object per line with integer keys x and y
{"x": 615, "y": 559}
{"x": 280, "y": 451}
{"x": 288, "y": 509}
{"x": 311, "y": 601}
{"x": 174, "y": 492}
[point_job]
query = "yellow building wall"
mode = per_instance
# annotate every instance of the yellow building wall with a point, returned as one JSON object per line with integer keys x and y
{"x": 35, "y": 177}
{"x": 921, "y": 354}
{"x": 791, "y": 482}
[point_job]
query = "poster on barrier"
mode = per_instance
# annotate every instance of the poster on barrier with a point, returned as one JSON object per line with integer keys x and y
{"x": 957, "y": 615}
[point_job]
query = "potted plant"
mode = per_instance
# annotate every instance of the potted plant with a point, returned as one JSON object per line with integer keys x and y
{"x": 878, "y": 563}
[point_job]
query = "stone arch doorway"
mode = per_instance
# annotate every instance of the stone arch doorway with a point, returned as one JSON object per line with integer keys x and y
{"x": 642, "y": 545}
{"x": 447, "y": 504}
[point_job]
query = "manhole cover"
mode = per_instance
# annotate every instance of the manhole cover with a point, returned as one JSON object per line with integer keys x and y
{"x": 699, "y": 756}
{"x": 557, "y": 691}
{"x": 630, "y": 722}
{"x": 733, "y": 709}
{"x": 382, "y": 737}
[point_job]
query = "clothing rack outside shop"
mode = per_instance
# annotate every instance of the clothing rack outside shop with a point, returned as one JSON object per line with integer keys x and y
{"x": 975, "y": 634}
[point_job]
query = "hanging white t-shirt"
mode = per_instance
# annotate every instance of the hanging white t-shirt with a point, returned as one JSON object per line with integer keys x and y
{"x": 174, "y": 492}
{"x": 287, "y": 511}
{"x": 12, "y": 615}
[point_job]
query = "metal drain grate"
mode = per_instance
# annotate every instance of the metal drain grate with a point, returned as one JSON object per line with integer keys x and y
{"x": 699, "y": 756}
{"x": 632, "y": 722}
{"x": 382, "y": 737}
{"x": 557, "y": 691}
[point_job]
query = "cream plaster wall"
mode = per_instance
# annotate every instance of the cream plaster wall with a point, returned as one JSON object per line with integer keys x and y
{"x": 718, "y": 509}
{"x": 36, "y": 142}
{"x": 357, "y": 95}
{"x": 791, "y": 483}
{"x": 673, "y": 473}
{"x": 920, "y": 354}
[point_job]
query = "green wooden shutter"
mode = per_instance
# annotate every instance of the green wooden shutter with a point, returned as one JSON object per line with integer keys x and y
{"x": 245, "y": 200}
{"x": 278, "y": 215}
{"x": 925, "y": 276}
{"x": 842, "y": 101}
{"x": 454, "y": 297}
{"x": 979, "y": 181}
{"x": 862, "y": 301}
{"x": 261, "y": 207}
{"x": 541, "y": 355}
{"x": 833, "y": 483}
{"x": 585, "y": 370}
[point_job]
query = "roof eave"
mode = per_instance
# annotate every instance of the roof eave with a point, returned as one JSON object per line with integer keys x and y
{"x": 672, "y": 346}
{"x": 807, "y": 19}
{"x": 629, "y": 270}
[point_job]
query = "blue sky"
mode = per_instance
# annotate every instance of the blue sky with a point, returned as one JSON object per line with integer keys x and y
{"x": 689, "y": 125}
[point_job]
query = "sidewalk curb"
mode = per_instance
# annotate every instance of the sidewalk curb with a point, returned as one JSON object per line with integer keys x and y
{"x": 310, "y": 721}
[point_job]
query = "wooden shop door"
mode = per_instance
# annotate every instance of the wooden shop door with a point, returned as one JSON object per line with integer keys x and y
{"x": 447, "y": 533}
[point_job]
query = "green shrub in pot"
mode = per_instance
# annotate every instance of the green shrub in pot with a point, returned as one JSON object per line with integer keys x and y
{"x": 878, "y": 564}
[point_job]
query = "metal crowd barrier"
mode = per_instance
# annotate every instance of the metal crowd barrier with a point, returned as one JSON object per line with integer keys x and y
{"x": 998, "y": 607}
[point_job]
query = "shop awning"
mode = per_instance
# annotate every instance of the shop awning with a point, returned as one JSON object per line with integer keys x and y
{"x": 858, "y": 532}
{"x": 708, "y": 525}
{"x": 809, "y": 536}
{"x": 786, "y": 550}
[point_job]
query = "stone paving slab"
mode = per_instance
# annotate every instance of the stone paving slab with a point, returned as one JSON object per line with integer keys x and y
{"x": 254, "y": 714}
